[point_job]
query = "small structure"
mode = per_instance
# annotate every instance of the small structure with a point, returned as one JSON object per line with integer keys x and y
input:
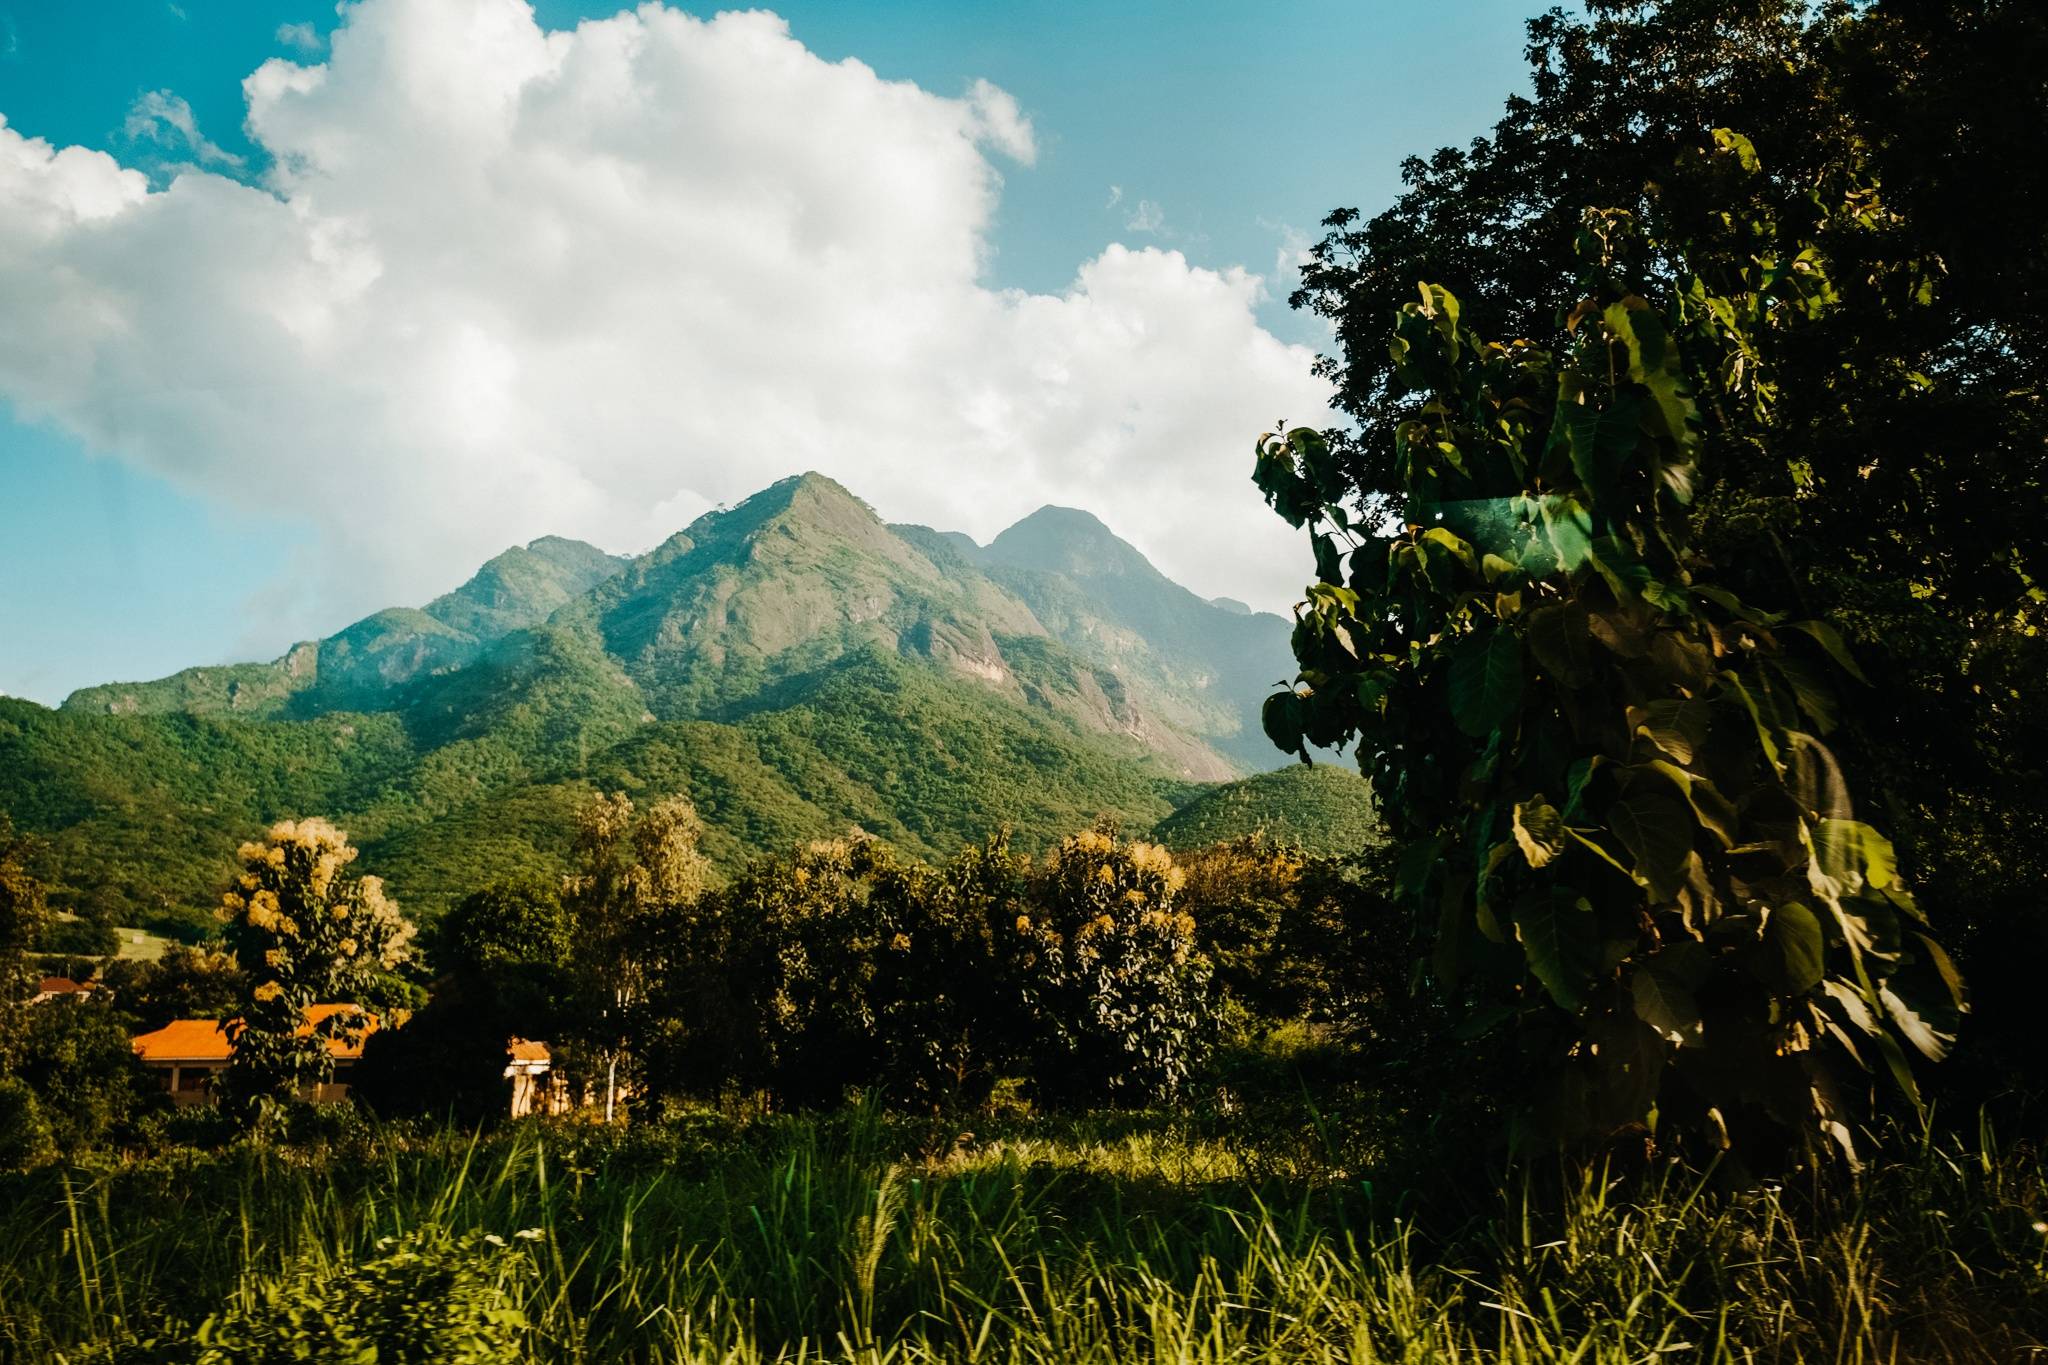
{"x": 188, "y": 1054}
{"x": 62, "y": 988}
{"x": 529, "y": 1066}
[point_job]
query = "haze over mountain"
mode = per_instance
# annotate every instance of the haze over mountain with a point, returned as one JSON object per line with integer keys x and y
{"x": 793, "y": 665}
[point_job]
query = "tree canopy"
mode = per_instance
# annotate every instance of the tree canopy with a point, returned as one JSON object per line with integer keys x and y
{"x": 1883, "y": 467}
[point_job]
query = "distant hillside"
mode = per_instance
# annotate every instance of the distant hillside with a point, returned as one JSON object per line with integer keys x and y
{"x": 793, "y": 665}
{"x": 360, "y": 667}
{"x": 1326, "y": 809}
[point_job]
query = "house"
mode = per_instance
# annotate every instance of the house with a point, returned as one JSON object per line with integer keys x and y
{"x": 62, "y": 988}
{"x": 528, "y": 1066}
{"x": 187, "y": 1054}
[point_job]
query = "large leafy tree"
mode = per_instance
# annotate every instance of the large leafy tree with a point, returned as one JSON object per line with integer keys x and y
{"x": 1624, "y": 817}
{"x": 501, "y": 971}
{"x": 632, "y": 872}
{"x": 23, "y": 915}
{"x": 1881, "y": 466}
{"x": 305, "y": 932}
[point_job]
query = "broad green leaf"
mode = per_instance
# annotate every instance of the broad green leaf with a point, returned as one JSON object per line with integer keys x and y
{"x": 1561, "y": 638}
{"x": 1580, "y": 774}
{"x": 1486, "y": 681}
{"x": 1831, "y": 640}
{"x": 1849, "y": 1002}
{"x": 1653, "y": 362}
{"x": 1456, "y": 544}
{"x": 1659, "y": 833}
{"x": 1664, "y": 1001}
{"x": 1715, "y": 812}
{"x": 1418, "y": 861}
{"x": 1854, "y": 855}
{"x": 1569, "y": 526}
{"x": 1790, "y": 957}
{"x": 1594, "y": 846}
{"x": 1944, "y": 967}
{"x": 1679, "y": 728}
{"x": 1895, "y": 1062}
{"x": 1557, "y": 932}
{"x": 1284, "y": 722}
{"x": 1809, "y": 690}
{"x": 1928, "y": 1040}
{"x": 1539, "y": 832}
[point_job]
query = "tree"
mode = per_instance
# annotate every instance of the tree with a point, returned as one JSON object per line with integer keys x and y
{"x": 514, "y": 925}
{"x": 1105, "y": 957}
{"x": 501, "y": 958}
{"x": 77, "y": 1058}
{"x": 1622, "y": 816}
{"x": 25, "y": 1137}
{"x": 23, "y": 915}
{"x": 1887, "y": 477}
{"x": 305, "y": 932}
{"x": 630, "y": 872}
{"x": 185, "y": 983}
{"x": 842, "y": 966}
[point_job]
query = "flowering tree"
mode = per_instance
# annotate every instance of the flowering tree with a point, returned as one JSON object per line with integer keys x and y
{"x": 305, "y": 932}
{"x": 1110, "y": 971}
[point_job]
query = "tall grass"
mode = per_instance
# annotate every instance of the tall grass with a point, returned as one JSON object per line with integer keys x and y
{"x": 855, "y": 1239}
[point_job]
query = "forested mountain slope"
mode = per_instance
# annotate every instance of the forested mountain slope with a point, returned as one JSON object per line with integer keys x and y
{"x": 793, "y": 665}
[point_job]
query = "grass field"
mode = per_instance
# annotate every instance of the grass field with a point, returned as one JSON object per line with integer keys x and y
{"x": 1119, "y": 1238}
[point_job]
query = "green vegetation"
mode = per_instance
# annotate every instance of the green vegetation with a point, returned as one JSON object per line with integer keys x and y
{"x": 360, "y": 667}
{"x": 794, "y": 667}
{"x": 305, "y": 931}
{"x": 1870, "y": 433}
{"x": 892, "y": 1047}
{"x": 1147, "y": 1237}
{"x": 1326, "y": 810}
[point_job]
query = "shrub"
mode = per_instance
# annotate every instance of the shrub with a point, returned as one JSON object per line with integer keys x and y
{"x": 25, "y": 1138}
{"x": 842, "y": 966}
{"x": 77, "y": 1057}
{"x": 1105, "y": 959}
{"x": 426, "y": 1298}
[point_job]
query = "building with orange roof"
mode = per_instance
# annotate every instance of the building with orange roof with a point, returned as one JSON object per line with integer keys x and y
{"x": 188, "y": 1054}
{"x": 62, "y": 988}
{"x": 534, "y": 1090}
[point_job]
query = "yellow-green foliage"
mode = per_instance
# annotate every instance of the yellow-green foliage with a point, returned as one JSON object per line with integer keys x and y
{"x": 1110, "y": 971}
{"x": 305, "y": 932}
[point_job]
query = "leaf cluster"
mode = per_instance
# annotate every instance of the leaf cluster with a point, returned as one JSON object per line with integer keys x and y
{"x": 1621, "y": 815}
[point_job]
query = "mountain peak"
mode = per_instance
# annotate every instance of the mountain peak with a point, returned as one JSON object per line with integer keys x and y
{"x": 1070, "y": 541}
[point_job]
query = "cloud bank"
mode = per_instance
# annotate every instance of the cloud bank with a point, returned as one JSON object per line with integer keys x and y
{"x": 500, "y": 282}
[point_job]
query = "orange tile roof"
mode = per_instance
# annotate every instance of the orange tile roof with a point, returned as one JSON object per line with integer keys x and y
{"x": 523, "y": 1051}
{"x": 206, "y": 1040}
{"x": 61, "y": 985}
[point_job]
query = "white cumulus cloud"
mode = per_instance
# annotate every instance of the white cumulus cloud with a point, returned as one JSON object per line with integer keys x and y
{"x": 501, "y": 282}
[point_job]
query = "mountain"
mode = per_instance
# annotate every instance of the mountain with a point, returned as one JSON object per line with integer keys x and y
{"x": 793, "y": 664}
{"x": 1203, "y": 667}
{"x": 1325, "y": 809}
{"x": 361, "y": 665}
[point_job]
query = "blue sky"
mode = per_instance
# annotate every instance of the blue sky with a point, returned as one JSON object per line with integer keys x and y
{"x": 1221, "y": 132}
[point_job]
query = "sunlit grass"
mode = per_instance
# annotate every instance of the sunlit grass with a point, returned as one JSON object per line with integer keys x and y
{"x": 854, "y": 1238}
